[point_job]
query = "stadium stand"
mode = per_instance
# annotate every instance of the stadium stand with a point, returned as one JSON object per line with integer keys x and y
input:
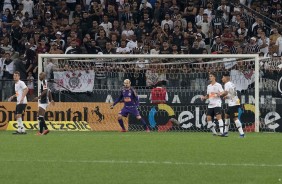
{"x": 31, "y": 27}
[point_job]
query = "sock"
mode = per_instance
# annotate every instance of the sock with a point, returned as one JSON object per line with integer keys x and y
{"x": 121, "y": 124}
{"x": 239, "y": 126}
{"x": 20, "y": 125}
{"x": 227, "y": 123}
{"x": 41, "y": 122}
{"x": 220, "y": 124}
{"x": 210, "y": 126}
{"x": 144, "y": 123}
{"x": 44, "y": 124}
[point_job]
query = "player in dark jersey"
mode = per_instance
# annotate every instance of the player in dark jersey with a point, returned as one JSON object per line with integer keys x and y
{"x": 43, "y": 101}
{"x": 131, "y": 103}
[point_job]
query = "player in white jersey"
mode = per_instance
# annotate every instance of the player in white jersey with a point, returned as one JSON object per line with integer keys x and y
{"x": 43, "y": 102}
{"x": 21, "y": 91}
{"x": 233, "y": 101}
{"x": 214, "y": 90}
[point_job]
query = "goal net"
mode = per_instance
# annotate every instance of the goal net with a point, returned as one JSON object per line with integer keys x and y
{"x": 84, "y": 86}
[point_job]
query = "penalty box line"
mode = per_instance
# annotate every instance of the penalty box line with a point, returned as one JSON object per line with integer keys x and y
{"x": 149, "y": 163}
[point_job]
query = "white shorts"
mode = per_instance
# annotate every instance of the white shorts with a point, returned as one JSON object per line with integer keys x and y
{"x": 43, "y": 106}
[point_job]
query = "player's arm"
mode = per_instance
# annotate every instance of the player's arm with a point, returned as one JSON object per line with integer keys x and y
{"x": 221, "y": 91}
{"x": 12, "y": 97}
{"x": 25, "y": 91}
{"x": 44, "y": 92}
{"x": 224, "y": 93}
{"x": 50, "y": 96}
{"x": 135, "y": 97}
{"x": 205, "y": 97}
{"x": 117, "y": 100}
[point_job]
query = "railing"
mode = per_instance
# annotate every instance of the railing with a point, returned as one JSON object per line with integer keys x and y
{"x": 7, "y": 89}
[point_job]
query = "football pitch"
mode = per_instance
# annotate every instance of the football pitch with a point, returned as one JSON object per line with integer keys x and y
{"x": 139, "y": 157}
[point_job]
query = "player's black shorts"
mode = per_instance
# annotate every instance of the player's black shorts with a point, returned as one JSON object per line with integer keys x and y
{"x": 233, "y": 111}
{"x": 213, "y": 111}
{"x": 20, "y": 108}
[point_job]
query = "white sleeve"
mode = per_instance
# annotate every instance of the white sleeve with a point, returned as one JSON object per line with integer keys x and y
{"x": 23, "y": 85}
{"x": 277, "y": 40}
{"x": 220, "y": 88}
{"x": 267, "y": 41}
{"x": 45, "y": 86}
{"x": 226, "y": 87}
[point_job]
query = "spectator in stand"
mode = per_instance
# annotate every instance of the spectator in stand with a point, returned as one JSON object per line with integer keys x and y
{"x": 102, "y": 39}
{"x": 8, "y": 70}
{"x": 252, "y": 47}
{"x": 196, "y": 49}
{"x": 73, "y": 48}
{"x": 30, "y": 85}
{"x": 146, "y": 49}
{"x": 165, "y": 49}
{"x": 200, "y": 41}
{"x": 91, "y": 46}
{"x": 55, "y": 48}
{"x": 217, "y": 46}
{"x": 225, "y": 9}
{"x": 128, "y": 30}
{"x": 167, "y": 20}
{"x": 132, "y": 43}
{"x": 273, "y": 37}
{"x": 278, "y": 46}
{"x": 43, "y": 47}
{"x": 205, "y": 27}
{"x": 263, "y": 43}
{"x": 112, "y": 13}
{"x": 177, "y": 36}
{"x": 156, "y": 49}
{"x": 159, "y": 94}
{"x": 158, "y": 12}
{"x": 227, "y": 37}
{"x": 277, "y": 13}
{"x": 30, "y": 57}
{"x": 109, "y": 49}
{"x": 123, "y": 49}
{"x": 190, "y": 13}
{"x": 235, "y": 46}
{"x": 106, "y": 25}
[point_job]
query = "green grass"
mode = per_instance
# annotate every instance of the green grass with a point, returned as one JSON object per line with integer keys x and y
{"x": 156, "y": 158}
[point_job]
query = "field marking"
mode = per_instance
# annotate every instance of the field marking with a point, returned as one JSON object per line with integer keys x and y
{"x": 149, "y": 163}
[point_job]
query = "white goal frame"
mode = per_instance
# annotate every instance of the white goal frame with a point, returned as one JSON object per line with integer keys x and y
{"x": 167, "y": 56}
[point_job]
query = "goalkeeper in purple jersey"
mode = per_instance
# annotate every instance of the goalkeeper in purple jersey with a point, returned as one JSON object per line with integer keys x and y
{"x": 131, "y": 103}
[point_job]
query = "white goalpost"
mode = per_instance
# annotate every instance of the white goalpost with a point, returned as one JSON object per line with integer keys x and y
{"x": 181, "y": 72}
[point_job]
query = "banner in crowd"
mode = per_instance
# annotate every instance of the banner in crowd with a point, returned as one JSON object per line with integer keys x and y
{"x": 65, "y": 116}
{"x": 242, "y": 79}
{"x": 74, "y": 81}
{"x": 272, "y": 82}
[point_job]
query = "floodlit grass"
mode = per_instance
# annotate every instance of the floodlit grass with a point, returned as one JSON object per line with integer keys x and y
{"x": 139, "y": 157}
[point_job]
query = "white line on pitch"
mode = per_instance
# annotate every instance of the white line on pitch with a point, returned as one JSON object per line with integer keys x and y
{"x": 149, "y": 162}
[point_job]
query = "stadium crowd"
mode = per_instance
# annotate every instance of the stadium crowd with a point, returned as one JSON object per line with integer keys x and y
{"x": 31, "y": 27}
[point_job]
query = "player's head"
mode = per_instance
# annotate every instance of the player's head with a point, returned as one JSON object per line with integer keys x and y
{"x": 225, "y": 77}
{"x": 16, "y": 76}
{"x": 212, "y": 77}
{"x": 126, "y": 83}
{"x": 42, "y": 76}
